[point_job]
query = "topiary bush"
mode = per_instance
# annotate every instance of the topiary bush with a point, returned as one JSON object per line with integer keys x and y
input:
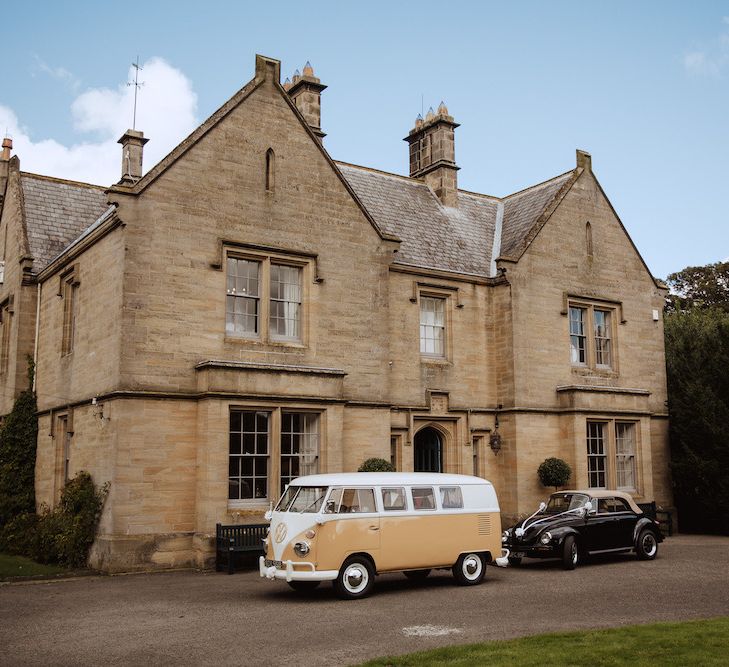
{"x": 554, "y": 472}
{"x": 376, "y": 465}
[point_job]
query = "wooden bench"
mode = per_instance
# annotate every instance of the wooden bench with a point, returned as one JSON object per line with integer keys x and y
{"x": 243, "y": 538}
{"x": 664, "y": 517}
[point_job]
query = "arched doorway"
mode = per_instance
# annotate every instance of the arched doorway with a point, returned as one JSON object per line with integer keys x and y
{"x": 428, "y": 451}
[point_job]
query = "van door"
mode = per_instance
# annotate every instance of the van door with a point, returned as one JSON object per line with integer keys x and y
{"x": 355, "y": 529}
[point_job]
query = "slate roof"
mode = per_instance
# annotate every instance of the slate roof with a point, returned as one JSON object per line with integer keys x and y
{"x": 524, "y": 208}
{"x": 452, "y": 239}
{"x": 57, "y": 212}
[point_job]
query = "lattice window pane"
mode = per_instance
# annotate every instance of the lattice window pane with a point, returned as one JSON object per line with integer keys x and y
{"x": 432, "y": 326}
{"x": 248, "y": 455}
{"x": 625, "y": 456}
{"x": 299, "y": 445}
{"x": 243, "y": 296}
{"x": 596, "y": 456}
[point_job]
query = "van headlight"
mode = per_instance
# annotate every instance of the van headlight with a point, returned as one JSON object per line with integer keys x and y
{"x": 301, "y": 549}
{"x": 546, "y": 538}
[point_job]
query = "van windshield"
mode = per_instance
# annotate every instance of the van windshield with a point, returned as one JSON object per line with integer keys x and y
{"x": 302, "y": 499}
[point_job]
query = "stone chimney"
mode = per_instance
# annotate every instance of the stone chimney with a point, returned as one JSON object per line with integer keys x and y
{"x": 305, "y": 91}
{"x": 4, "y": 169}
{"x": 433, "y": 153}
{"x": 132, "y": 148}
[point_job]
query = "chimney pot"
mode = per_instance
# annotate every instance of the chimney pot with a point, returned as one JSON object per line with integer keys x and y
{"x": 7, "y": 147}
{"x": 442, "y": 109}
{"x": 132, "y": 142}
{"x": 308, "y": 69}
{"x": 430, "y": 115}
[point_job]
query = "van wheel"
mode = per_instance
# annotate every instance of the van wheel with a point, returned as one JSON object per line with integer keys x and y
{"x": 416, "y": 575}
{"x": 469, "y": 569}
{"x": 355, "y": 578}
{"x": 647, "y": 545}
{"x": 303, "y": 586}
{"x": 570, "y": 553}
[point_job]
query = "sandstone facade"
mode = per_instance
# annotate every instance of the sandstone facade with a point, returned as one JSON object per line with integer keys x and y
{"x": 422, "y": 323}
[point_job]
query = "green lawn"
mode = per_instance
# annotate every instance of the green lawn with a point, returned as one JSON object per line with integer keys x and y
{"x": 18, "y": 566}
{"x": 703, "y": 642}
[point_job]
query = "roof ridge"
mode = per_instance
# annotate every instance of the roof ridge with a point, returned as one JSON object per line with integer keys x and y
{"x": 67, "y": 181}
{"x": 402, "y": 177}
{"x": 536, "y": 185}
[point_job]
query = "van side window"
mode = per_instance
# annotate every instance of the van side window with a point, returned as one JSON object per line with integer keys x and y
{"x": 357, "y": 500}
{"x": 393, "y": 499}
{"x": 423, "y": 498}
{"x": 451, "y": 497}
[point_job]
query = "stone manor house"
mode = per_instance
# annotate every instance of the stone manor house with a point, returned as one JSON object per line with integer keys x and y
{"x": 249, "y": 310}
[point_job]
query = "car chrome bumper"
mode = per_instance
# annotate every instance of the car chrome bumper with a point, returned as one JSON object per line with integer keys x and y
{"x": 287, "y": 571}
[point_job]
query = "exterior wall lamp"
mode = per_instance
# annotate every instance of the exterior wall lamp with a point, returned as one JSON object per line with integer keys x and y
{"x": 495, "y": 438}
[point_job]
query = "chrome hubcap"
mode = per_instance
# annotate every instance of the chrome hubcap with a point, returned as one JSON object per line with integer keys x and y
{"x": 355, "y": 578}
{"x": 471, "y": 566}
{"x": 649, "y": 545}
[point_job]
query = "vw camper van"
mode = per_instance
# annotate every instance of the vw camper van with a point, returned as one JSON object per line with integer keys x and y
{"x": 348, "y": 527}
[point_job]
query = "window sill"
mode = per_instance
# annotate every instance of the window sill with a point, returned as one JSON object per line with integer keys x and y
{"x": 257, "y": 342}
{"x": 435, "y": 361}
{"x": 248, "y": 506}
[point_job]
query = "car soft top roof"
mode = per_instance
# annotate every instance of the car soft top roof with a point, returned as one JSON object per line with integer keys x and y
{"x": 386, "y": 478}
{"x": 606, "y": 493}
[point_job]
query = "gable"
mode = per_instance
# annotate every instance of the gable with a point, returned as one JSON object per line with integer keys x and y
{"x": 267, "y": 80}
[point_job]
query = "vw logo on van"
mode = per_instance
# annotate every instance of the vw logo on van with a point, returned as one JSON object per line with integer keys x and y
{"x": 280, "y": 533}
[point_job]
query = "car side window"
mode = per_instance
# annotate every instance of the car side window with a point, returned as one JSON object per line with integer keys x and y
{"x": 451, "y": 497}
{"x": 603, "y": 506}
{"x": 619, "y": 505}
{"x": 394, "y": 499}
{"x": 357, "y": 501}
{"x": 423, "y": 498}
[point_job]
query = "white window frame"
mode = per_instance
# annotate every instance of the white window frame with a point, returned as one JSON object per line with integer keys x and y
{"x": 596, "y": 341}
{"x": 294, "y": 302}
{"x": 439, "y": 351}
{"x": 308, "y": 457}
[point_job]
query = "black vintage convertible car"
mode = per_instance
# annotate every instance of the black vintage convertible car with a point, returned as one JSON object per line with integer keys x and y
{"x": 575, "y": 524}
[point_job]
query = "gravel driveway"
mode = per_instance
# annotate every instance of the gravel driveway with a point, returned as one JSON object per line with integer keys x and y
{"x": 213, "y": 618}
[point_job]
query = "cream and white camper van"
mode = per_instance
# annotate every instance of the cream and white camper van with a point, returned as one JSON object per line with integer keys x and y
{"x": 347, "y": 527}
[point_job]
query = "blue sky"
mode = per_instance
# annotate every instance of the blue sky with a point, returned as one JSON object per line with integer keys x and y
{"x": 643, "y": 86}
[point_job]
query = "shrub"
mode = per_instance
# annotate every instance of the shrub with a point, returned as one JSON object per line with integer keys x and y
{"x": 376, "y": 465}
{"x": 61, "y": 535}
{"x": 554, "y": 472}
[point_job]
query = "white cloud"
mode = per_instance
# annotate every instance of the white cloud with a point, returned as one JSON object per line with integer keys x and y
{"x": 710, "y": 60}
{"x": 59, "y": 73}
{"x": 166, "y": 111}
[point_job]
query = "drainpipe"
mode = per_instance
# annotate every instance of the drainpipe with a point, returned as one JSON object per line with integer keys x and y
{"x": 37, "y": 327}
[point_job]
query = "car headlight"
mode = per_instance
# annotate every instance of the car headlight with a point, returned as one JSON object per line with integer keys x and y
{"x": 301, "y": 549}
{"x": 546, "y": 538}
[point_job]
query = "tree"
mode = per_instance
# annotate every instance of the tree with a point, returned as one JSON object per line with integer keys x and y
{"x": 697, "y": 364}
{"x": 18, "y": 437}
{"x": 554, "y": 472}
{"x": 700, "y": 286}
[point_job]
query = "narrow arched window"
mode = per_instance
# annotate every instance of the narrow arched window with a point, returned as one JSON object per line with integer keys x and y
{"x": 588, "y": 239}
{"x": 270, "y": 170}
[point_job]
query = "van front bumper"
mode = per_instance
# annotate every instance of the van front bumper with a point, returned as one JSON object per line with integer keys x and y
{"x": 287, "y": 571}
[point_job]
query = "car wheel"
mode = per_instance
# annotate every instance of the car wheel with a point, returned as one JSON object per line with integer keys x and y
{"x": 514, "y": 560}
{"x": 303, "y": 586}
{"x": 355, "y": 578}
{"x": 647, "y": 545}
{"x": 416, "y": 575}
{"x": 570, "y": 553}
{"x": 469, "y": 569}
